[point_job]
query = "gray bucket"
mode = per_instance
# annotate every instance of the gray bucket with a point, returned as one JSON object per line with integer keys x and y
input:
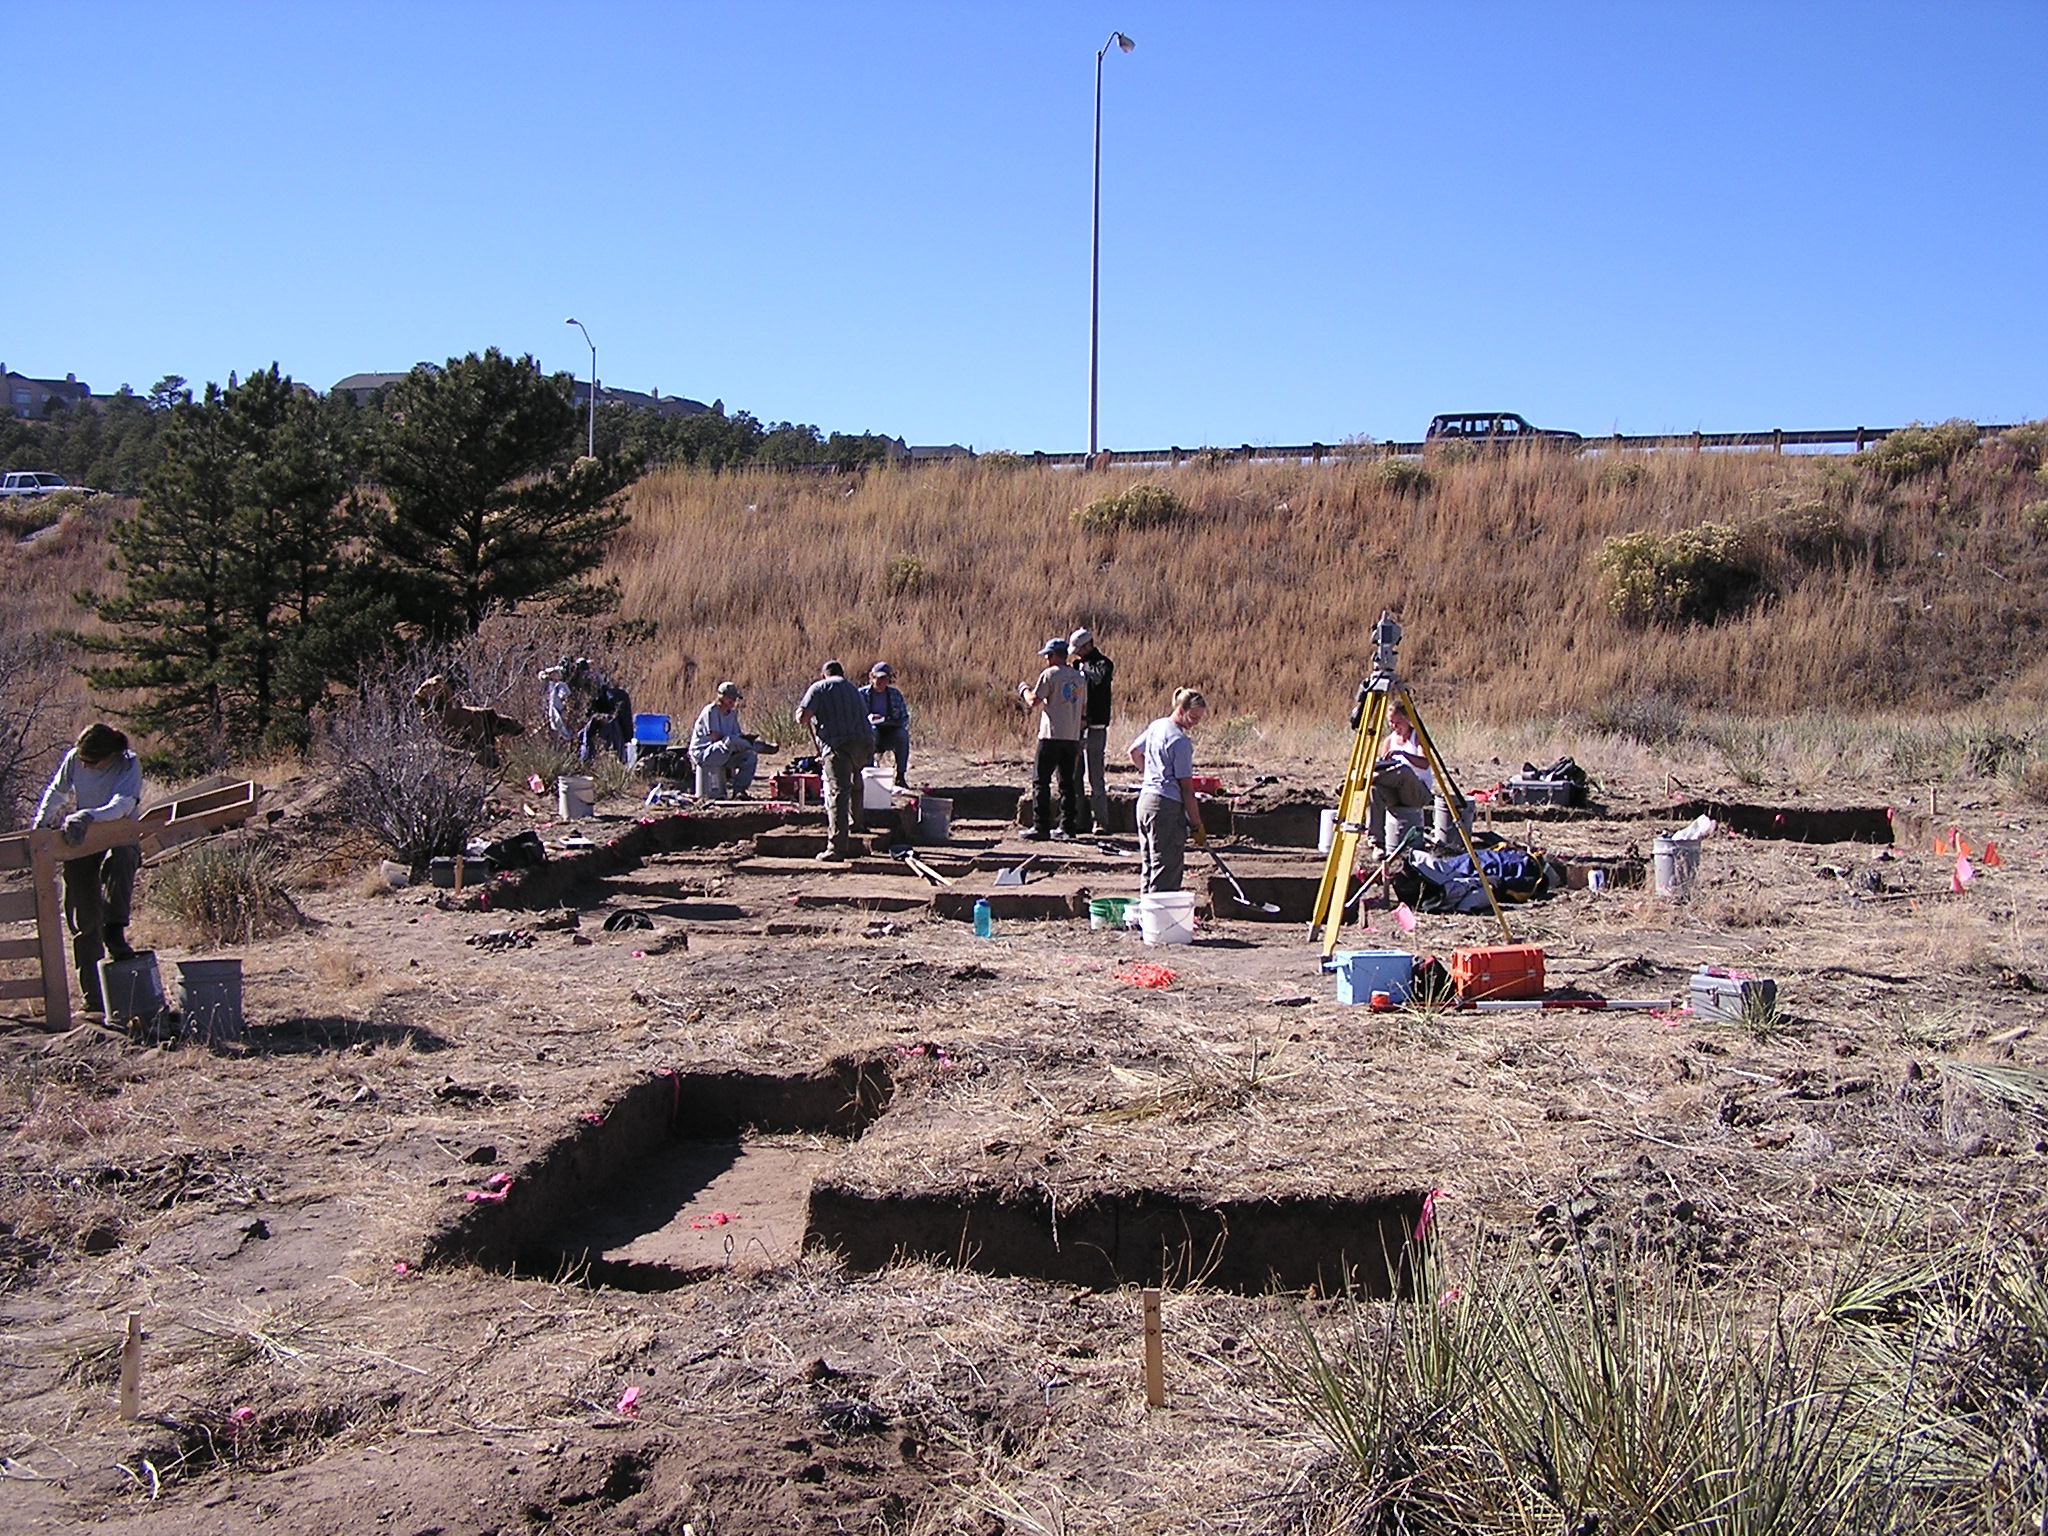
{"x": 210, "y": 999}
{"x": 576, "y": 797}
{"x": 133, "y": 989}
{"x": 1447, "y": 828}
{"x": 934, "y": 819}
{"x": 1676, "y": 865}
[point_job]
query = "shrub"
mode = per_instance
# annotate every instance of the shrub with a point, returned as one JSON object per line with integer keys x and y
{"x": 1917, "y": 450}
{"x": 1000, "y": 461}
{"x": 2034, "y": 518}
{"x": 1399, "y": 477}
{"x": 1622, "y": 475}
{"x": 1693, "y": 576}
{"x": 2029, "y": 444}
{"x": 225, "y": 891}
{"x": 398, "y": 778}
{"x": 1628, "y": 1396}
{"x": 906, "y": 575}
{"x": 1146, "y": 505}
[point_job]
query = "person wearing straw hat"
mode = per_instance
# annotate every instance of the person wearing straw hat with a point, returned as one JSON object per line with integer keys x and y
{"x": 1168, "y": 812}
{"x": 717, "y": 738}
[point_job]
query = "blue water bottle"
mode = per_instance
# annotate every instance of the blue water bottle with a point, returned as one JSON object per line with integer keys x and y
{"x": 982, "y": 921}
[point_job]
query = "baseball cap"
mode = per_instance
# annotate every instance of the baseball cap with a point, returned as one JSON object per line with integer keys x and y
{"x": 881, "y": 669}
{"x": 1079, "y": 638}
{"x": 728, "y": 690}
{"x": 1053, "y": 647}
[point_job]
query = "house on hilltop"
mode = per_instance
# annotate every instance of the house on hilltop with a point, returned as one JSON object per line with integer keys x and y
{"x": 27, "y": 397}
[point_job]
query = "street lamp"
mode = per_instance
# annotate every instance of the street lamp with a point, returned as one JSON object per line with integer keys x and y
{"x": 1118, "y": 40}
{"x": 572, "y": 320}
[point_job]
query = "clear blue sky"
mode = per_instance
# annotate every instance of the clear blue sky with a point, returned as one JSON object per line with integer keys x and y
{"x": 1319, "y": 220}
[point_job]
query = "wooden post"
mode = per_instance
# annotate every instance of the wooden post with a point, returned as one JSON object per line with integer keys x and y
{"x": 1933, "y": 802}
{"x": 1777, "y": 439}
{"x": 131, "y": 1370}
{"x": 1155, "y": 1361}
{"x": 44, "y": 870}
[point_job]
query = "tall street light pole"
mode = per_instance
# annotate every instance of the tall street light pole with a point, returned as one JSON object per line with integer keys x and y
{"x": 1117, "y": 40}
{"x": 572, "y": 320}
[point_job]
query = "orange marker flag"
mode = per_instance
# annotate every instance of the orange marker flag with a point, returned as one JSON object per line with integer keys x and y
{"x": 1962, "y": 847}
{"x": 1941, "y": 846}
{"x": 1991, "y": 858}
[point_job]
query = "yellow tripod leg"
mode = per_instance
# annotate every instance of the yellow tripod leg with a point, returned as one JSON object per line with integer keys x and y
{"x": 1354, "y": 802}
{"x": 1452, "y": 795}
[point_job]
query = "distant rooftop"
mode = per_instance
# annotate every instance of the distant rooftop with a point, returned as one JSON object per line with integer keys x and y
{"x": 27, "y": 397}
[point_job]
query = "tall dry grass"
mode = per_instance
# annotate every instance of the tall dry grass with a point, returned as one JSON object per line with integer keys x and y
{"x": 1904, "y": 598}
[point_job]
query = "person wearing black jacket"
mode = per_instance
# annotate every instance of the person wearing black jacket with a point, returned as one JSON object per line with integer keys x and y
{"x": 1098, "y": 669}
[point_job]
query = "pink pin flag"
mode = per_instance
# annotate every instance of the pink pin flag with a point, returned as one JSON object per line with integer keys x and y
{"x": 629, "y": 1403}
{"x": 1404, "y": 919}
{"x": 1963, "y": 873}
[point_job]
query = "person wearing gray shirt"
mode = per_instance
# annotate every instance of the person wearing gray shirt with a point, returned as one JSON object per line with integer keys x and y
{"x": 832, "y": 708}
{"x": 1167, "y": 809}
{"x": 717, "y": 738}
{"x": 102, "y": 781}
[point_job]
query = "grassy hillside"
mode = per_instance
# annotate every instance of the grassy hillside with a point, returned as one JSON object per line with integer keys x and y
{"x": 1893, "y": 582}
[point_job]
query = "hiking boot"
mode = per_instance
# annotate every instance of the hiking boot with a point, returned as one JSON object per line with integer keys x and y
{"x": 1059, "y": 834}
{"x": 1034, "y": 836}
{"x": 116, "y": 942}
{"x": 832, "y": 856}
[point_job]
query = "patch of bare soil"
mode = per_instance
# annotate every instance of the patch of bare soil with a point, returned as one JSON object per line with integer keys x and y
{"x": 265, "y": 1210}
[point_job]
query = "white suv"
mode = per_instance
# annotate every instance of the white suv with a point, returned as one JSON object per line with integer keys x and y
{"x": 30, "y": 482}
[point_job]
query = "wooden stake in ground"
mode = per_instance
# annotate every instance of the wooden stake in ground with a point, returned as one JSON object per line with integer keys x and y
{"x": 1155, "y": 1361}
{"x": 131, "y": 1369}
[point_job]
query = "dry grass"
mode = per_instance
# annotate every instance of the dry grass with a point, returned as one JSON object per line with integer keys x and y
{"x": 1880, "y": 596}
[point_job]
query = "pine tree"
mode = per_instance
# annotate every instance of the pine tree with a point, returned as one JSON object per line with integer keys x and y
{"x": 241, "y": 601}
{"x": 488, "y": 503}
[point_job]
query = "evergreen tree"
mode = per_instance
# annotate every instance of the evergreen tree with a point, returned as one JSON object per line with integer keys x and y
{"x": 240, "y": 600}
{"x": 488, "y": 503}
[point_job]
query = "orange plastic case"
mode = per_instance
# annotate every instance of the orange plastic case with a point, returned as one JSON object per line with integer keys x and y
{"x": 1503, "y": 973}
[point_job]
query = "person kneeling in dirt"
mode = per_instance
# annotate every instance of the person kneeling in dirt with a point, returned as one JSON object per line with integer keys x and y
{"x": 101, "y": 779}
{"x": 717, "y": 738}
{"x": 1168, "y": 812}
{"x": 1400, "y": 778}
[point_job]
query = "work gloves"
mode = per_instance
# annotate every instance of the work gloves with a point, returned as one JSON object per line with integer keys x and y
{"x": 76, "y": 825}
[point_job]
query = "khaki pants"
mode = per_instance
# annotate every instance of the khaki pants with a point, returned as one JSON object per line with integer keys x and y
{"x": 841, "y": 772}
{"x": 1162, "y": 842}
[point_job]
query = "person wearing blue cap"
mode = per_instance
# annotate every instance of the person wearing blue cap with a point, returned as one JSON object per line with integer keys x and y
{"x": 890, "y": 717}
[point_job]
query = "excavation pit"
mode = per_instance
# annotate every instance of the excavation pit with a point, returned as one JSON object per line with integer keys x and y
{"x": 689, "y": 1174}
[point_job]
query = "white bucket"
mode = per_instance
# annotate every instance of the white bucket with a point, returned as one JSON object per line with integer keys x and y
{"x": 1676, "y": 865}
{"x": 934, "y": 818}
{"x": 1167, "y": 917}
{"x": 1326, "y": 831}
{"x": 1447, "y": 826}
{"x": 577, "y": 797}
{"x": 878, "y": 791}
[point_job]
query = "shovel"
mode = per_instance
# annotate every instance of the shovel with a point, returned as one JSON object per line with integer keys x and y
{"x": 1236, "y": 890}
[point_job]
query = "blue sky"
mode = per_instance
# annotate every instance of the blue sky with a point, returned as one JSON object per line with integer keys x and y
{"x": 1319, "y": 220}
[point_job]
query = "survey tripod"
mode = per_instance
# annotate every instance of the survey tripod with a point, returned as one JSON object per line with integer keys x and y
{"x": 1377, "y": 696}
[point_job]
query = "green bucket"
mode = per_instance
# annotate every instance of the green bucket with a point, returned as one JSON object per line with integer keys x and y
{"x": 1110, "y": 911}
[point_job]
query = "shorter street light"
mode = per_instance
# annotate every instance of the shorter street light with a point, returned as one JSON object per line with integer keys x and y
{"x": 572, "y": 320}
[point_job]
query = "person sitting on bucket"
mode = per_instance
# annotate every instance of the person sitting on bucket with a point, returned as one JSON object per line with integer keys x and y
{"x": 717, "y": 738}
{"x": 1401, "y": 777}
{"x": 102, "y": 780}
{"x": 890, "y": 717}
{"x": 1167, "y": 809}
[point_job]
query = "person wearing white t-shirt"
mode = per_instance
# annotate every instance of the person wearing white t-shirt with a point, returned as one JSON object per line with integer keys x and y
{"x": 1167, "y": 810}
{"x": 1400, "y": 777}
